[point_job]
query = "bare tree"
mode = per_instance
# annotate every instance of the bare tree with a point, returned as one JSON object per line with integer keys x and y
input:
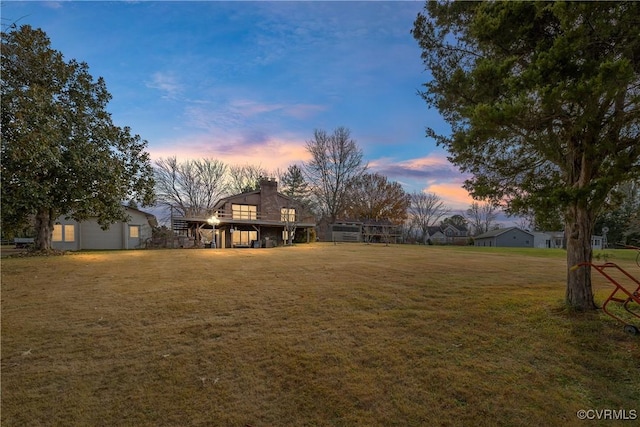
{"x": 425, "y": 211}
{"x": 245, "y": 178}
{"x": 525, "y": 223}
{"x": 189, "y": 188}
{"x": 289, "y": 216}
{"x": 335, "y": 160}
{"x": 482, "y": 217}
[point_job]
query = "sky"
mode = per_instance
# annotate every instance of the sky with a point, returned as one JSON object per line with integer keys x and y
{"x": 249, "y": 82}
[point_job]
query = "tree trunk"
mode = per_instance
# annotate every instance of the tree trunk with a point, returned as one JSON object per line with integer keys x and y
{"x": 44, "y": 229}
{"x": 578, "y": 230}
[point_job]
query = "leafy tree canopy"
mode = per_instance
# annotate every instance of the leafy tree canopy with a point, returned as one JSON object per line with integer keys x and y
{"x": 542, "y": 100}
{"x": 61, "y": 153}
{"x": 457, "y": 221}
{"x": 372, "y": 196}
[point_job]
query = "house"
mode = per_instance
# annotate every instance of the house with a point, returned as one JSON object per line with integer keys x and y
{"x": 505, "y": 237}
{"x": 258, "y": 218}
{"x": 447, "y": 234}
{"x": 548, "y": 239}
{"x": 555, "y": 239}
{"x": 72, "y": 235}
{"x": 435, "y": 236}
{"x": 455, "y": 235}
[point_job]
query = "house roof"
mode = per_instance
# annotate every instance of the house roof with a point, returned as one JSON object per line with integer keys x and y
{"x": 220, "y": 203}
{"x": 434, "y": 230}
{"x": 153, "y": 221}
{"x": 460, "y": 228}
{"x": 499, "y": 231}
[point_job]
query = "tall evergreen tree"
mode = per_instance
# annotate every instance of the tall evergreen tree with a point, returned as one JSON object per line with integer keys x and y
{"x": 543, "y": 103}
{"x": 295, "y": 186}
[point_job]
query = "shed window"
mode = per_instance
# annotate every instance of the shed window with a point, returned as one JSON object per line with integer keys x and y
{"x": 69, "y": 233}
{"x": 64, "y": 233}
{"x": 134, "y": 231}
{"x": 57, "y": 233}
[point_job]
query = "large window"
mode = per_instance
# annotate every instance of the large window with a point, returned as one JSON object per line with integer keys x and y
{"x": 244, "y": 238}
{"x": 64, "y": 233}
{"x": 244, "y": 211}
{"x": 287, "y": 215}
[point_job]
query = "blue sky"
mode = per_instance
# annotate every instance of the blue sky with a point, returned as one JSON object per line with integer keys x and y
{"x": 248, "y": 82}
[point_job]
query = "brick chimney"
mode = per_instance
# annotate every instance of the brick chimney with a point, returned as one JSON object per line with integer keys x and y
{"x": 269, "y": 199}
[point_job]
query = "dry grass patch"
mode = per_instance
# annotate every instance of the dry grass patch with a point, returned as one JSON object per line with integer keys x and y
{"x": 310, "y": 335}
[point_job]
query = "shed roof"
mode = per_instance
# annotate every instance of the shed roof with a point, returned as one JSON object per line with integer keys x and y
{"x": 499, "y": 231}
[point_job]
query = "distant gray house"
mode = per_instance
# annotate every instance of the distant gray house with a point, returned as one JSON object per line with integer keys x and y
{"x": 71, "y": 235}
{"x": 555, "y": 239}
{"x": 506, "y": 237}
{"x": 548, "y": 239}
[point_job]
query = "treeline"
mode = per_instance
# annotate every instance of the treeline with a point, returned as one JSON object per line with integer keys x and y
{"x": 336, "y": 183}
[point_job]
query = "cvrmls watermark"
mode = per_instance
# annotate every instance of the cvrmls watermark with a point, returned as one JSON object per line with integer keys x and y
{"x": 607, "y": 414}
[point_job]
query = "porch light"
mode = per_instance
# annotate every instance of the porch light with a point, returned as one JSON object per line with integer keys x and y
{"x": 213, "y": 221}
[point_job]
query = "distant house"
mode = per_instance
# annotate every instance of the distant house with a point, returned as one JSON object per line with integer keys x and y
{"x": 72, "y": 235}
{"x": 257, "y": 218}
{"x": 505, "y": 237}
{"x": 447, "y": 234}
{"x": 455, "y": 235}
{"x": 555, "y": 239}
{"x": 436, "y": 236}
{"x": 548, "y": 239}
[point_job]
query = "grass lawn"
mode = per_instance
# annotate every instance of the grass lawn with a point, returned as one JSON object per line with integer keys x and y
{"x": 335, "y": 335}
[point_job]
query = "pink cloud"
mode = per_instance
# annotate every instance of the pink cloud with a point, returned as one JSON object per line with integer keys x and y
{"x": 432, "y": 173}
{"x": 451, "y": 193}
{"x": 272, "y": 153}
{"x": 434, "y": 165}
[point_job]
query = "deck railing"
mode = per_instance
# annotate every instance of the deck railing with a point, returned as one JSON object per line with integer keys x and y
{"x": 180, "y": 222}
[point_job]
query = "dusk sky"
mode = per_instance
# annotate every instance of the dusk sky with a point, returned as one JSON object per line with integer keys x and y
{"x": 248, "y": 82}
